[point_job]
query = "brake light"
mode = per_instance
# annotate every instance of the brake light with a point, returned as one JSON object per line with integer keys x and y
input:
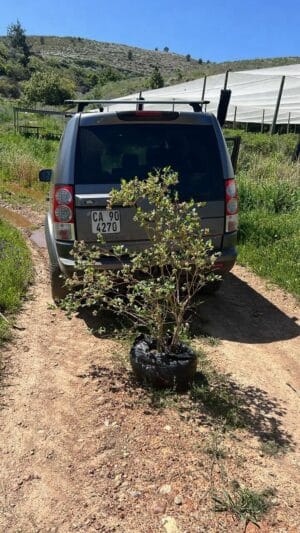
{"x": 231, "y": 200}
{"x": 63, "y": 212}
{"x": 148, "y": 114}
{"x": 144, "y": 115}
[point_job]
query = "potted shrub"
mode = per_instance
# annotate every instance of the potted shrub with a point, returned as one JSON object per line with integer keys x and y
{"x": 156, "y": 287}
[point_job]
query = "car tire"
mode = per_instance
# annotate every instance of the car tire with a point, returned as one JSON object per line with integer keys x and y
{"x": 58, "y": 290}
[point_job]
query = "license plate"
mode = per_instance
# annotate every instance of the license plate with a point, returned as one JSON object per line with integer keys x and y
{"x": 106, "y": 221}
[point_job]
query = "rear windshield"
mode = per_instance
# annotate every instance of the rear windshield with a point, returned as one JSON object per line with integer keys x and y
{"x": 107, "y": 154}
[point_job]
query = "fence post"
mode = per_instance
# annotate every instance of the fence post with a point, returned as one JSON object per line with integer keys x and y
{"x": 288, "y": 123}
{"x": 234, "y": 117}
{"x": 262, "y": 122}
{"x": 273, "y": 126}
{"x": 203, "y": 88}
{"x": 226, "y": 79}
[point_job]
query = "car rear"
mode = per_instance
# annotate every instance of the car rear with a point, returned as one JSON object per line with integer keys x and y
{"x": 100, "y": 149}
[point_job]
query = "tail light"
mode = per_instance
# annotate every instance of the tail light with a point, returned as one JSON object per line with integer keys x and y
{"x": 63, "y": 212}
{"x": 231, "y": 199}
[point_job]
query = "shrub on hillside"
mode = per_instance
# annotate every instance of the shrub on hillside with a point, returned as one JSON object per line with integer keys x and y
{"x": 108, "y": 74}
{"x": 9, "y": 89}
{"x": 16, "y": 71}
{"x": 49, "y": 89}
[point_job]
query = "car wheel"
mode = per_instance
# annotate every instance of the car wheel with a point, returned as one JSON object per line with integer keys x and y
{"x": 58, "y": 290}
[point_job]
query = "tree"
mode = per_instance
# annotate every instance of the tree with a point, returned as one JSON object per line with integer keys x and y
{"x": 49, "y": 88}
{"x": 17, "y": 39}
{"x": 129, "y": 55}
{"x": 188, "y": 57}
{"x": 166, "y": 49}
{"x": 156, "y": 81}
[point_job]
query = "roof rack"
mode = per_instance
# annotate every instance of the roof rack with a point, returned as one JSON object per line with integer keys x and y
{"x": 81, "y": 104}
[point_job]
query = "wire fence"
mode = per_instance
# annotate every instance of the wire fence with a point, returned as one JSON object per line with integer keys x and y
{"x": 43, "y": 123}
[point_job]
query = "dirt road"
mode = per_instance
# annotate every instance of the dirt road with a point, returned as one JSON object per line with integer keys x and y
{"x": 85, "y": 449}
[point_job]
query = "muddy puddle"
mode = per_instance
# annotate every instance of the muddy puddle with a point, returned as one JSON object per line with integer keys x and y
{"x": 14, "y": 218}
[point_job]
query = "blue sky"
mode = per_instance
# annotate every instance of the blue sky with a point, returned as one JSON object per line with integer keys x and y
{"x": 216, "y": 30}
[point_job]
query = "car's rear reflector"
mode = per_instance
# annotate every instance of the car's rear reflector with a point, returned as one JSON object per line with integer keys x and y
{"x": 64, "y": 232}
{"x": 231, "y": 223}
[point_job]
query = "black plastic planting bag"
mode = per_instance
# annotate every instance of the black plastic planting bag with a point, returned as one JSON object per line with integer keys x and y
{"x": 162, "y": 369}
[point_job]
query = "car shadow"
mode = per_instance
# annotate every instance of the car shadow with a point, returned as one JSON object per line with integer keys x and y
{"x": 238, "y": 313}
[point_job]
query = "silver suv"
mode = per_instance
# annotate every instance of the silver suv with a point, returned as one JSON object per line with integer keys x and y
{"x": 99, "y": 148}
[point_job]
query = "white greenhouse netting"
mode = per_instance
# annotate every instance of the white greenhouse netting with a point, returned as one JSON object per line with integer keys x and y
{"x": 253, "y": 99}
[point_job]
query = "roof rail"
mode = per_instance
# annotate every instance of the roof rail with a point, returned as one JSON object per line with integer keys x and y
{"x": 81, "y": 104}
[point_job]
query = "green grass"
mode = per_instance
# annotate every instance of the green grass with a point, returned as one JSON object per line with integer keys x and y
{"x": 21, "y": 159}
{"x": 269, "y": 202}
{"x": 15, "y": 274}
{"x": 269, "y": 244}
{"x": 244, "y": 504}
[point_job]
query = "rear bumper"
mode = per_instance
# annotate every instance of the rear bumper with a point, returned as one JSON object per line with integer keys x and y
{"x": 223, "y": 264}
{"x": 60, "y": 252}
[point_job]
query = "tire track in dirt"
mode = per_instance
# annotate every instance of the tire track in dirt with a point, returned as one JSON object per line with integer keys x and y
{"x": 259, "y": 328}
{"x": 46, "y": 408}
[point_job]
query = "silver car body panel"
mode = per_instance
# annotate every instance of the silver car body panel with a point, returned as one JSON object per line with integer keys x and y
{"x": 89, "y": 197}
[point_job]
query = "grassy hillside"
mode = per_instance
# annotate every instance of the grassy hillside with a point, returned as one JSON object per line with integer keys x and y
{"x": 85, "y": 52}
{"x": 99, "y": 69}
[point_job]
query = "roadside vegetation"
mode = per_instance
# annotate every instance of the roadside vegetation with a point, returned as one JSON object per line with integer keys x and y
{"x": 15, "y": 275}
{"x": 21, "y": 159}
{"x": 269, "y": 203}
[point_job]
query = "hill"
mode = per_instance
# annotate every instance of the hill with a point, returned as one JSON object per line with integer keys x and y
{"x": 101, "y": 69}
{"x": 138, "y": 61}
